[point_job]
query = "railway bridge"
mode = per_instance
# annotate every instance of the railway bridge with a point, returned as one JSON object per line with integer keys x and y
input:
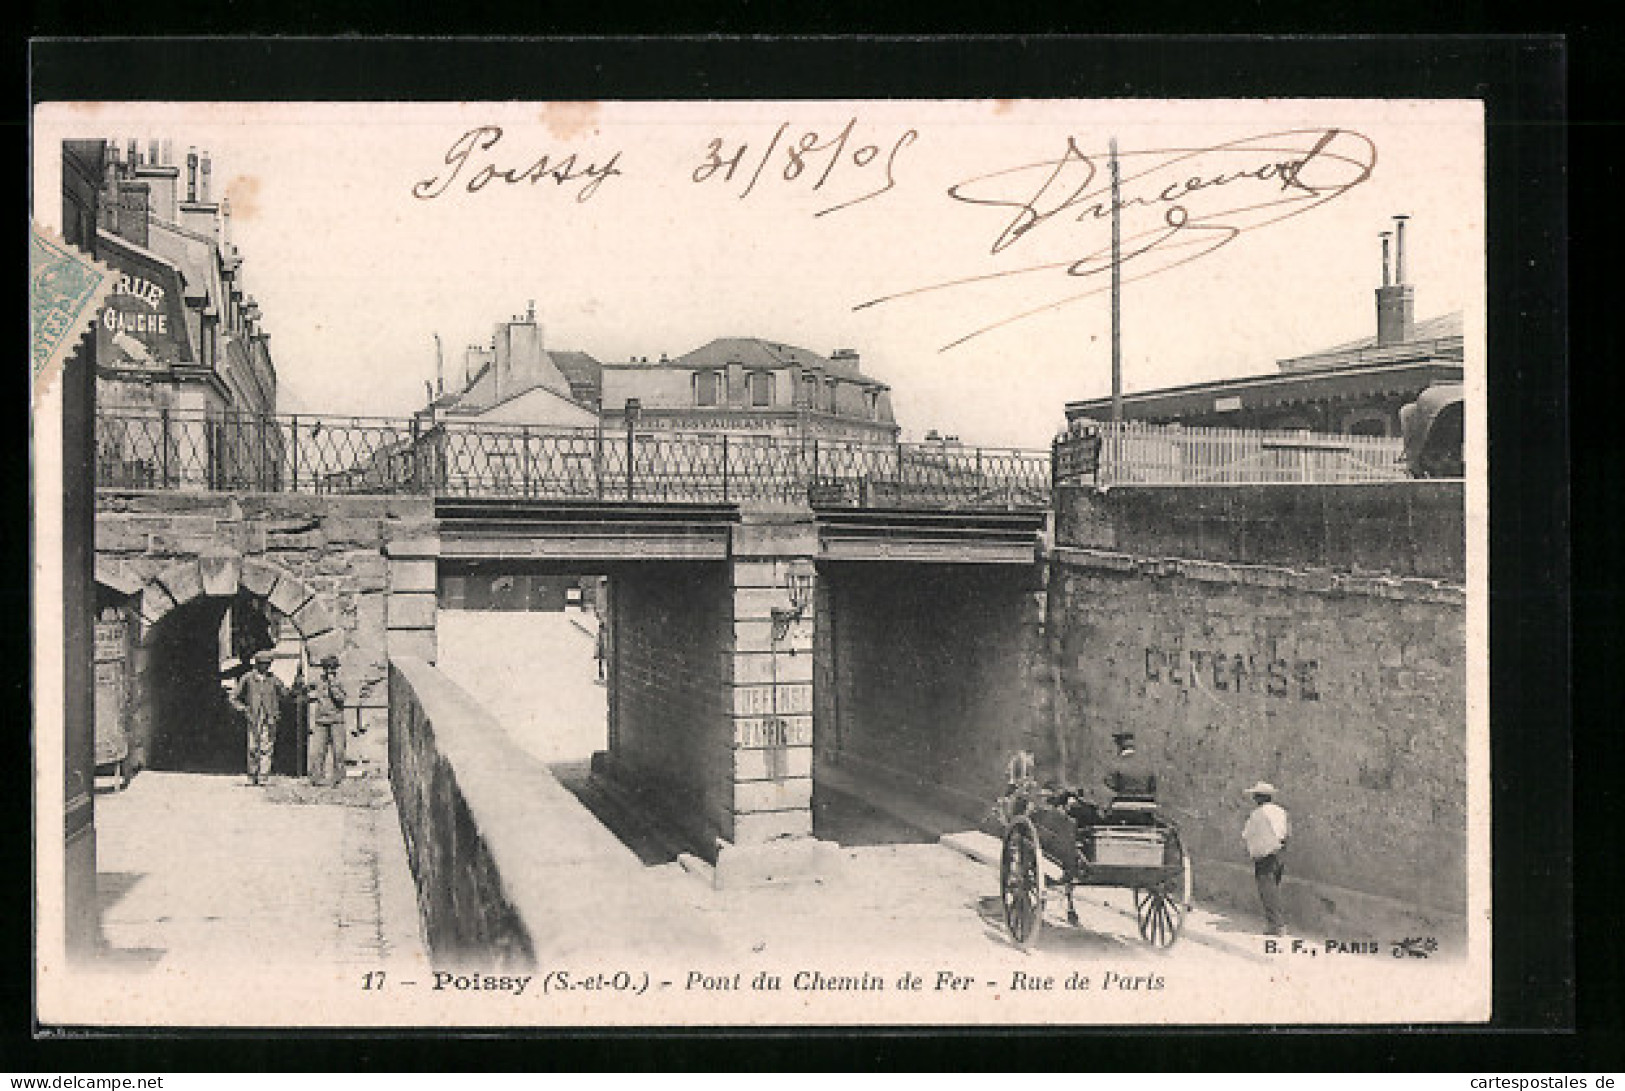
{"x": 772, "y": 605}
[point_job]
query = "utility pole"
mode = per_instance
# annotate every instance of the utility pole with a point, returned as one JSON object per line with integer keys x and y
{"x": 1117, "y": 293}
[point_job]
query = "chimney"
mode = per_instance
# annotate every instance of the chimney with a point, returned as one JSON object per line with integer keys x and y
{"x": 203, "y": 182}
{"x": 225, "y": 223}
{"x": 1396, "y": 302}
{"x": 1399, "y": 248}
{"x": 191, "y": 175}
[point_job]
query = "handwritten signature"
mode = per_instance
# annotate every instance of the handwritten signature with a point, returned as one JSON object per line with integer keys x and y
{"x": 1175, "y": 205}
{"x": 476, "y": 143}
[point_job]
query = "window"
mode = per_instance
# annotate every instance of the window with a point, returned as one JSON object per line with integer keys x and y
{"x": 809, "y": 391}
{"x": 873, "y": 399}
{"x": 829, "y": 395}
{"x": 761, "y": 389}
{"x": 706, "y": 387}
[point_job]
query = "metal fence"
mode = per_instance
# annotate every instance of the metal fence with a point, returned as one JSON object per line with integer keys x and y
{"x": 1150, "y": 454}
{"x": 155, "y": 449}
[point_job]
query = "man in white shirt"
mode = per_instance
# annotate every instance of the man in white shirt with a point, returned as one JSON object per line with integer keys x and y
{"x": 1265, "y": 835}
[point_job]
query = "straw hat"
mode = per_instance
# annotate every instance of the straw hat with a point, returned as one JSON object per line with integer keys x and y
{"x": 1262, "y": 788}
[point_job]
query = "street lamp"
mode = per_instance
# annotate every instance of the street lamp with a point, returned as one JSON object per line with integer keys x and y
{"x": 799, "y": 582}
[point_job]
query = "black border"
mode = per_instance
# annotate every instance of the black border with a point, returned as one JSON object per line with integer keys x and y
{"x": 1522, "y": 81}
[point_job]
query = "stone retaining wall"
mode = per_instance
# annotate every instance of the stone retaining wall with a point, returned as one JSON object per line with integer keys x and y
{"x": 511, "y": 869}
{"x": 1331, "y": 667}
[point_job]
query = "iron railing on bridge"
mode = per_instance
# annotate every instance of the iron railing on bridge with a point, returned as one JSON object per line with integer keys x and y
{"x": 157, "y": 449}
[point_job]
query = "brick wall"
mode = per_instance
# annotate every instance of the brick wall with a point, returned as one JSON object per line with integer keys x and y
{"x": 938, "y": 673}
{"x": 672, "y": 632}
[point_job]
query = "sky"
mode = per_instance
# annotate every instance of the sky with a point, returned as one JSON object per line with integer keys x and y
{"x": 1249, "y": 231}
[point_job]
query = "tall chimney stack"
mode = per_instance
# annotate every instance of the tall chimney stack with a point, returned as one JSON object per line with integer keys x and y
{"x": 1396, "y": 301}
{"x": 1399, "y": 248}
{"x": 203, "y": 181}
{"x": 191, "y": 175}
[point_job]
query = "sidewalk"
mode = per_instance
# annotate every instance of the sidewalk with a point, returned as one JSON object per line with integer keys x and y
{"x": 196, "y": 870}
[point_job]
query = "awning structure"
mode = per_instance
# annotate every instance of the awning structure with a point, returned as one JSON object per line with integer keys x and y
{"x": 1270, "y": 391}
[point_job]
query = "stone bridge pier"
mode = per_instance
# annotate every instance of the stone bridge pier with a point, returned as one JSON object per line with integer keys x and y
{"x": 311, "y": 575}
{"x": 904, "y": 654}
{"x": 711, "y": 691}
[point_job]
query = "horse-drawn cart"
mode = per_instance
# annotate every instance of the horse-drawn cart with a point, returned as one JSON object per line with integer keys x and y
{"x": 1055, "y": 837}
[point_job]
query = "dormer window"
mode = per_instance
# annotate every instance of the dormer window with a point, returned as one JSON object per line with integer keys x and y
{"x": 830, "y": 389}
{"x": 707, "y": 388}
{"x": 809, "y": 391}
{"x": 872, "y": 397}
{"x": 761, "y": 389}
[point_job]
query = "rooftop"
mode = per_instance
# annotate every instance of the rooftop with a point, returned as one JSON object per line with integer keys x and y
{"x": 756, "y": 352}
{"x": 1431, "y": 336}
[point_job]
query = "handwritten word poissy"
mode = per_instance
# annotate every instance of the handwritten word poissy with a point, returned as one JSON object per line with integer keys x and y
{"x": 472, "y": 153}
{"x": 1175, "y": 205}
{"x": 796, "y": 159}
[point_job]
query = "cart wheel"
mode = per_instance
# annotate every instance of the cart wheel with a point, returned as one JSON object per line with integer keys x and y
{"x": 1021, "y": 882}
{"x": 1160, "y": 916}
{"x": 1160, "y": 912}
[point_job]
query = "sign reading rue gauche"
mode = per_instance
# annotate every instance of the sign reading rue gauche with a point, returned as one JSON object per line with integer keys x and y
{"x": 142, "y": 324}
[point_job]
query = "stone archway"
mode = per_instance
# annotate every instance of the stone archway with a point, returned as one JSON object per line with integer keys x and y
{"x": 174, "y": 665}
{"x": 221, "y": 575}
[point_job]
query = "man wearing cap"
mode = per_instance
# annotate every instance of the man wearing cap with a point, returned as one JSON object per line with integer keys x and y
{"x": 259, "y": 698}
{"x": 1131, "y": 777}
{"x": 327, "y": 727}
{"x": 1265, "y": 835}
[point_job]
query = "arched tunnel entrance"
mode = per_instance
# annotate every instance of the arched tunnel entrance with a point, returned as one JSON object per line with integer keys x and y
{"x": 194, "y": 655}
{"x": 929, "y": 677}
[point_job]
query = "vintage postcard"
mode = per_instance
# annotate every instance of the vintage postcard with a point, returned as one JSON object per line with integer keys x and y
{"x": 761, "y": 563}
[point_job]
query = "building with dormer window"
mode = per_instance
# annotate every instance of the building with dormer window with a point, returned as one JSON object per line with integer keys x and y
{"x": 734, "y": 385}
{"x": 180, "y": 332}
{"x": 751, "y": 386}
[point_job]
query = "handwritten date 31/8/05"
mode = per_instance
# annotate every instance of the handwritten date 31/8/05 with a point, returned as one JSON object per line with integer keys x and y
{"x": 803, "y": 157}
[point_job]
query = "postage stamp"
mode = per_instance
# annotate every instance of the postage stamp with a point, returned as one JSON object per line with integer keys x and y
{"x": 66, "y": 289}
{"x": 754, "y": 563}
